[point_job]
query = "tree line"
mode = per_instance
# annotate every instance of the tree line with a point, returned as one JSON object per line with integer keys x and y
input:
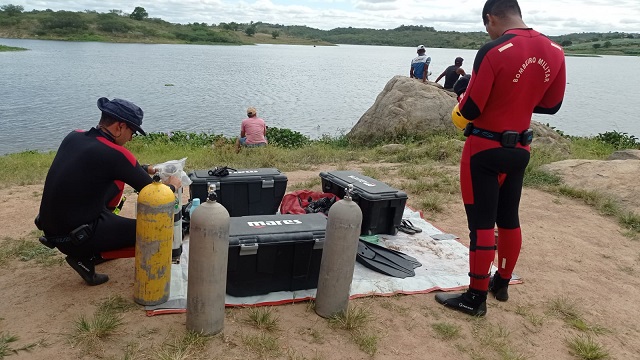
{"x": 138, "y": 26}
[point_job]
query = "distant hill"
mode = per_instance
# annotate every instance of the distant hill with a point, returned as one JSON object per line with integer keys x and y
{"x": 117, "y": 26}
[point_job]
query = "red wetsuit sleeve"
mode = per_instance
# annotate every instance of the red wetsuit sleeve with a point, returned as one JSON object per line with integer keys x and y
{"x": 474, "y": 99}
{"x": 552, "y": 99}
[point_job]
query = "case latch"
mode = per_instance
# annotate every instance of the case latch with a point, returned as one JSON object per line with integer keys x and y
{"x": 248, "y": 249}
{"x": 318, "y": 244}
{"x": 216, "y": 183}
{"x": 268, "y": 183}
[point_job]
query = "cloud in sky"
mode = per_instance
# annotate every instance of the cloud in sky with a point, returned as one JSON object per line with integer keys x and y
{"x": 552, "y": 17}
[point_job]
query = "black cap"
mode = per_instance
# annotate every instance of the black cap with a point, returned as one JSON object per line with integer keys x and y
{"x": 123, "y": 110}
{"x": 459, "y": 60}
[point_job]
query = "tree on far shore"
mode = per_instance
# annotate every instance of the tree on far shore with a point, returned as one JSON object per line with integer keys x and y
{"x": 12, "y": 10}
{"x": 139, "y": 13}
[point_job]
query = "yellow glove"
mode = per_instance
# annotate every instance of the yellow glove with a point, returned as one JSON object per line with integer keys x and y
{"x": 458, "y": 120}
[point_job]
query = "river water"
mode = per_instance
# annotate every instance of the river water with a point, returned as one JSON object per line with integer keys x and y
{"x": 52, "y": 88}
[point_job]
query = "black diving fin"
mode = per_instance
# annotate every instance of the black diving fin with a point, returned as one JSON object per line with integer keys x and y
{"x": 386, "y": 261}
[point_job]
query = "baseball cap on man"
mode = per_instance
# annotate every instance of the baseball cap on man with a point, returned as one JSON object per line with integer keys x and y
{"x": 459, "y": 60}
{"x": 421, "y": 47}
{"x": 123, "y": 110}
{"x": 251, "y": 111}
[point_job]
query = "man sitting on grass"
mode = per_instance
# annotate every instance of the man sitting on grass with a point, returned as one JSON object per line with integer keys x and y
{"x": 252, "y": 131}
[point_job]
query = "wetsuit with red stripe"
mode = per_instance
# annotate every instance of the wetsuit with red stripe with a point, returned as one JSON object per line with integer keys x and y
{"x": 519, "y": 73}
{"x": 86, "y": 178}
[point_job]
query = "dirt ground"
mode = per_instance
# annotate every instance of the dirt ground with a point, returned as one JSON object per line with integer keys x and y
{"x": 571, "y": 254}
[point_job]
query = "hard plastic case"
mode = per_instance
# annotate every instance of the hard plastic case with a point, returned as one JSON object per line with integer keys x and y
{"x": 382, "y": 206}
{"x": 244, "y": 191}
{"x": 270, "y": 253}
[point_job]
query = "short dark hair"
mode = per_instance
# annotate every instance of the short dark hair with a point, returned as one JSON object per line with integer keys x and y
{"x": 500, "y": 8}
{"x": 106, "y": 120}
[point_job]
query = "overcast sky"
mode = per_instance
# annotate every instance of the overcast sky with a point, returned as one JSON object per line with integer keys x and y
{"x": 552, "y": 17}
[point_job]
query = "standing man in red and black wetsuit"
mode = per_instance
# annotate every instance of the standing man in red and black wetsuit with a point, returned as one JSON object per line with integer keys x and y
{"x": 516, "y": 74}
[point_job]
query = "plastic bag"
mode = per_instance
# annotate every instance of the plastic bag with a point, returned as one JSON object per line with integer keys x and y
{"x": 173, "y": 168}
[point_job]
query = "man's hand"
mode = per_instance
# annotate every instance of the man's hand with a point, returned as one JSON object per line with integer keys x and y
{"x": 461, "y": 85}
{"x": 149, "y": 169}
{"x": 174, "y": 181}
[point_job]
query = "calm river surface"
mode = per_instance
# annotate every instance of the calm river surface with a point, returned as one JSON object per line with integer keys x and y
{"x": 52, "y": 89}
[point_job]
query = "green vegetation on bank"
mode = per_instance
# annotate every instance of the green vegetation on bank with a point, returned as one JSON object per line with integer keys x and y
{"x": 612, "y": 43}
{"x": 10, "y": 48}
{"x": 423, "y": 169}
{"x": 138, "y": 26}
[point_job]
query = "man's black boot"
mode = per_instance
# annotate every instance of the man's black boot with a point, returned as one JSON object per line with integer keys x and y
{"x": 98, "y": 259}
{"x": 471, "y": 302}
{"x": 499, "y": 287}
{"x": 87, "y": 271}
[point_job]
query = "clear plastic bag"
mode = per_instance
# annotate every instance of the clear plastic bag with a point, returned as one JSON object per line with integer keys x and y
{"x": 173, "y": 168}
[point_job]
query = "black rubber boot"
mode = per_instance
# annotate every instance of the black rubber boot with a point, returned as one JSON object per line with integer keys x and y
{"x": 98, "y": 259}
{"x": 87, "y": 271}
{"x": 499, "y": 287}
{"x": 471, "y": 302}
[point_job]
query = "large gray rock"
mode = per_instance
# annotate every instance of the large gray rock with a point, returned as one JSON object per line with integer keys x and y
{"x": 405, "y": 107}
{"x": 408, "y": 107}
{"x": 629, "y": 154}
{"x": 615, "y": 178}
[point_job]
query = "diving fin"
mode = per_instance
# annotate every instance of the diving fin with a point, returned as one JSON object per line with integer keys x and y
{"x": 415, "y": 263}
{"x": 386, "y": 261}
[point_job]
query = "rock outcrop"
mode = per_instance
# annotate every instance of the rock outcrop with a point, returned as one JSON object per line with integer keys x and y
{"x": 615, "y": 178}
{"x": 407, "y": 107}
{"x": 625, "y": 155}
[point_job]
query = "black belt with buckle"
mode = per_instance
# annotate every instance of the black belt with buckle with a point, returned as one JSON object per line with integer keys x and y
{"x": 508, "y": 139}
{"x": 77, "y": 236}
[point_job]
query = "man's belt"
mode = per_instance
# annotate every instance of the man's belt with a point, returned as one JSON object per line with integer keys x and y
{"x": 76, "y": 237}
{"x": 508, "y": 139}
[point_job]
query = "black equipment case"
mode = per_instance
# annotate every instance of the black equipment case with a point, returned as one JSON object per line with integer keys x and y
{"x": 244, "y": 191}
{"x": 382, "y": 206}
{"x": 270, "y": 253}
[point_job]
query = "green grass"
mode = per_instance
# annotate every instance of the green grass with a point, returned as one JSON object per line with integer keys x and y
{"x": 188, "y": 346}
{"x": 584, "y": 347}
{"x": 90, "y": 332}
{"x": 27, "y": 167}
{"x": 567, "y": 310}
{"x": 367, "y": 342}
{"x": 6, "y": 348}
{"x": 355, "y": 318}
{"x": 262, "y": 344}
{"x": 263, "y": 318}
{"x": 495, "y": 338}
{"x": 605, "y": 205}
{"x": 564, "y": 307}
{"x": 394, "y": 306}
{"x": 534, "y": 319}
{"x": 446, "y": 331}
{"x": 116, "y": 304}
{"x": 28, "y": 249}
{"x": 11, "y": 48}
{"x": 426, "y": 170}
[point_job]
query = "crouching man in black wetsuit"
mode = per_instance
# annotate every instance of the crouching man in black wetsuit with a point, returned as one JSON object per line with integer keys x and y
{"x": 518, "y": 73}
{"x": 86, "y": 181}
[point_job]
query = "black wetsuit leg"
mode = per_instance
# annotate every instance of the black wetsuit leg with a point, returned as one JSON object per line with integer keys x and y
{"x": 111, "y": 232}
{"x": 496, "y": 177}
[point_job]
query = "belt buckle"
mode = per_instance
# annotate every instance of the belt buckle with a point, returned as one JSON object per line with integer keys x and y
{"x": 509, "y": 139}
{"x": 526, "y": 137}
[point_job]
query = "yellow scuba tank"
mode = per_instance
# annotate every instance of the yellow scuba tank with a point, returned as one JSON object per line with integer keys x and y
{"x": 154, "y": 239}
